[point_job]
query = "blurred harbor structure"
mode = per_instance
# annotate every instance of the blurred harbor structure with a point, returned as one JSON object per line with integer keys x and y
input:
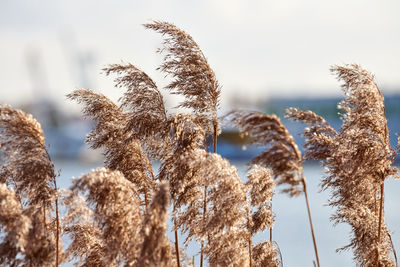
{"x": 65, "y": 133}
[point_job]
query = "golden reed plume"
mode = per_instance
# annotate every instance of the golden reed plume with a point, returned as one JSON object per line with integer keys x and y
{"x": 192, "y": 75}
{"x": 28, "y": 169}
{"x": 281, "y": 154}
{"x": 357, "y": 160}
{"x": 122, "y": 150}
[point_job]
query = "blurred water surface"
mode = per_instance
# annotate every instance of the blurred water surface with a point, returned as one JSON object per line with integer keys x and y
{"x": 291, "y": 229}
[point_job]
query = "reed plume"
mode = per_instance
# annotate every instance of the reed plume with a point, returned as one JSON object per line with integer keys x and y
{"x": 115, "y": 204}
{"x": 87, "y": 244}
{"x": 186, "y": 188}
{"x": 156, "y": 249}
{"x": 224, "y": 223}
{"x": 189, "y": 169}
{"x": 357, "y": 160}
{"x": 192, "y": 75}
{"x": 147, "y": 115}
{"x": 281, "y": 153}
{"x": 14, "y": 226}
{"x": 123, "y": 150}
{"x": 319, "y": 136}
{"x": 265, "y": 254}
{"x": 35, "y": 243}
{"x": 260, "y": 188}
{"x": 28, "y": 169}
{"x": 110, "y": 119}
{"x": 187, "y": 136}
{"x": 27, "y": 166}
{"x": 41, "y": 250}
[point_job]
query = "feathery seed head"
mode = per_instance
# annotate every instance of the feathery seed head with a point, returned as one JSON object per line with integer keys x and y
{"x": 156, "y": 249}
{"x": 281, "y": 152}
{"x": 115, "y": 203}
{"x": 191, "y": 73}
{"x": 260, "y": 186}
{"x": 319, "y": 136}
{"x": 357, "y": 159}
{"x": 27, "y": 165}
{"x": 145, "y": 106}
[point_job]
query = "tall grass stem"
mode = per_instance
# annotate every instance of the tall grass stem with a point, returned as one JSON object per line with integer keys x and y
{"x": 310, "y": 219}
{"x": 380, "y": 222}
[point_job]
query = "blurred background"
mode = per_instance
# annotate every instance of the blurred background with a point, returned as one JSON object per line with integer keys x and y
{"x": 267, "y": 55}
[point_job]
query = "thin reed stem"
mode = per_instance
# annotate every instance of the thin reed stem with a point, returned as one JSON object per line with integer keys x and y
{"x": 250, "y": 249}
{"x": 205, "y": 191}
{"x": 178, "y": 262}
{"x": 44, "y": 215}
{"x": 310, "y": 219}
{"x": 57, "y": 224}
{"x": 270, "y": 234}
{"x": 146, "y": 197}
{"x": 146, "y": 200}
{"x": 249, "y": 239}
{"x": 394, "y": 250}
{"x": 204, "y": 216}
{"x": 380, "y": 222}
{"x": 376, "y": 203}
{"x": 270, "y": 229}
{"x": 215, "y": 138}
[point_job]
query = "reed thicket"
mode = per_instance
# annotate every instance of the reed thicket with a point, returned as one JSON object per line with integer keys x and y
{"x": 117, "y": 214}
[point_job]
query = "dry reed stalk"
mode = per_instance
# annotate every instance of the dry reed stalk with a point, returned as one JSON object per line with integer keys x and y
{"x": 178, "y": 262}
{"x": 15, "y": 227}
{"x": 310, "y": 220}
{"x": 88, "y": 245}
{"x": 382, "y": 190}
{"x": 260, "y": 188}
{"x": 187, "y": 135}
{"x": 249, "y": 240}
{"x": 147, "y": 116}
{"x": 204, "y": 207}
{"x": 204, "y": 215}
{"x": 192, "y": 77}
{"x": 394, "y": 250}
{"x": 266, "y": 254}
{"x": 28, "y": 169}
{"x": 115, "y": 204}
{"x": 57, "y": 224}
{"x": 281, "y": 153}
{"x": 357, "y": 159}
{"x": 250, "y": 251}
{"x": 225, "y": 222}
{"x": 361, "y": 88}
{"x": 156, "y": 249}
{"x": 270, "y": 234}
{"x": 27, "y": 166}
{"x": 123, "y": 150}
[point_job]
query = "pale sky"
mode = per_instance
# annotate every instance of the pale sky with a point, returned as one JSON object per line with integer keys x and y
{"x": 257, "y": 48}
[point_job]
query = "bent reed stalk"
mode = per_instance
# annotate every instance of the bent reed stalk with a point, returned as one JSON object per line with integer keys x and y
{"x": 193, "y": 78}
{"x": 310, "y": 220}
{"x": 358, "y": 160}
{"x": 281, "y": 153}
